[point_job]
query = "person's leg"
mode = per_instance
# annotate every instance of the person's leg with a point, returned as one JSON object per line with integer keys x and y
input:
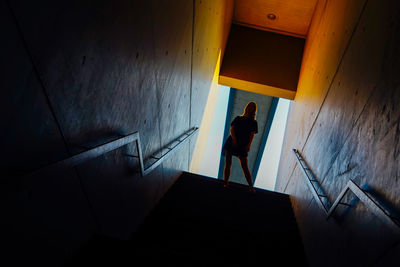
{"x": 246, "y": 171}
{"x": 227, "y": 169}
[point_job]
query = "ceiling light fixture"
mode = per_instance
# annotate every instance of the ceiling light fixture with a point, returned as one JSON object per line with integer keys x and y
{"x": 271, "y": 16}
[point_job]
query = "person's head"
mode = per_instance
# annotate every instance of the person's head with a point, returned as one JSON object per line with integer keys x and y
{"x": 250, "y": 110}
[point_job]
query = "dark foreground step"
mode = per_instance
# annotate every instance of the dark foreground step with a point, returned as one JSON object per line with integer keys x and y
{"x": 200, "y": 223}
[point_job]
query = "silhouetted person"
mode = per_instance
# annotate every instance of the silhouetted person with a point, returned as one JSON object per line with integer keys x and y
{"x": 239, "y": 141}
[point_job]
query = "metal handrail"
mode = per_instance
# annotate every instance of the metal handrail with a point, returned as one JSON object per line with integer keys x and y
{"x": 179, "y": 142}
{"x": 312, "y": 182}
{"x": 112, "y": 145}
{"x": 372, "y": 205}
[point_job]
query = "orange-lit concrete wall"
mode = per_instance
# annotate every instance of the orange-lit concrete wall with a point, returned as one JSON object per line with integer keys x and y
{"x": 212, "y": 24}
{"x": 345, "y": 121}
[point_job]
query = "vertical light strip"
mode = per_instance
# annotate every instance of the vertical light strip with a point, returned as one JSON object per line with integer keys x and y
{"x": 268, "y": 170}
{"x": 212, "y": 154}
{"x": 205, "y": 126}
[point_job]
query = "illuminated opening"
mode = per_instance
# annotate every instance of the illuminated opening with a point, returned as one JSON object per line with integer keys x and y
{"x": 266, "y": 153}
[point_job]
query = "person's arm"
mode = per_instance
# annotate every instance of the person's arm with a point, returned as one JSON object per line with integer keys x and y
{"x": 251, "y": 140}
{"x": 233, "y": 134}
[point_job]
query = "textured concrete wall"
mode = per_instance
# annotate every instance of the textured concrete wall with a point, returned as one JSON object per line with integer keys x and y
{"x": 80, "y": 73}
{"x": 345, "y": 121}
{"x": 212, "y": 24}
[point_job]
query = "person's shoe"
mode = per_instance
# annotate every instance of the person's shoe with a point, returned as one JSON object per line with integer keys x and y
{"x": 252, "y": 190}
{"x": 226, "y": 185}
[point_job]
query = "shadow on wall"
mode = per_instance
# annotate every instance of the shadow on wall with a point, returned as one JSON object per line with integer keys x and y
{"x": 379, "y": 197}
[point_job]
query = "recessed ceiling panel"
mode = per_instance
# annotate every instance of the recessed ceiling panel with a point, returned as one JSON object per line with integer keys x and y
{"x": 290, "y": 17}
{"x": 262, "y": 62}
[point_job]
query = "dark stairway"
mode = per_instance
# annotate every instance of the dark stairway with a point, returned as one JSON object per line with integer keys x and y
{"x": 200, "y": 223}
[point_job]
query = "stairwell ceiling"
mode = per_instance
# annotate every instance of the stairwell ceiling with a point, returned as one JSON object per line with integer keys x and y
{"x": 289, "y": 17}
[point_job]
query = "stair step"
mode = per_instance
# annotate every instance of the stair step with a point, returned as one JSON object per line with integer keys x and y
{"x": 198, "y": 216}
{"x": 198, "y": 222}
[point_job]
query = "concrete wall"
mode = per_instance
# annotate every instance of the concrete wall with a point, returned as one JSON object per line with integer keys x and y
{"x": 80, "y": 73}
{"x": 345, "y": 122}
{"x": 207, "y": 57}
